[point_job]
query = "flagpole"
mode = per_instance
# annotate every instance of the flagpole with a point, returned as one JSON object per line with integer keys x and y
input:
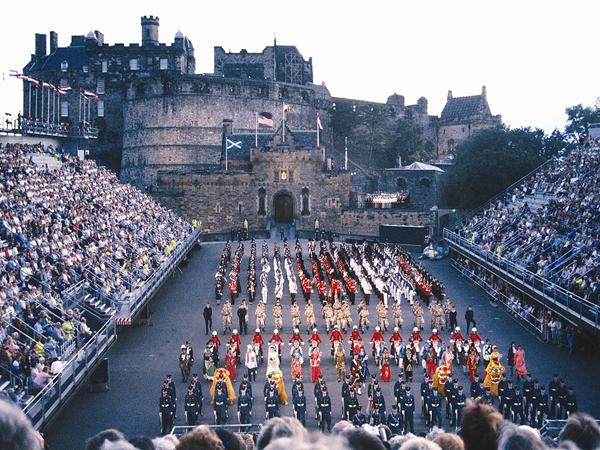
{"x": 29, "y": 109}
{"x": 256, "y": 130}
{"x": 42, "y": 102}
{"x": 283, "y": 110}
{"x": 346, "y": 154}
{"x": 318, "y": 134}
{"x": 89, "y": 117}
{"x": 226, "y": 157}
{"x": 48, "y": 118}
{"x": 80, "y": 107}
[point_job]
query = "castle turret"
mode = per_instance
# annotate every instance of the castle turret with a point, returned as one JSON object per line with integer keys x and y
{"x": 484, "y": 92}
{"x": 40, "y": 45}
{"x": 149, "y": 30}
{"x": 449, "y": 95}
{"x": 53, "y": 41}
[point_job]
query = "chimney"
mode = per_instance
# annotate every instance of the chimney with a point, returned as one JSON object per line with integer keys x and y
{"x": 449, "y": 95}
{"x": 40, "y": 45}
{"x": 227, "y": 126}
{"x": 99, "y": 37}
{"x": 484, "y": 92}
{"x": 149, "y": 30}
{"x": 53, "y": 41}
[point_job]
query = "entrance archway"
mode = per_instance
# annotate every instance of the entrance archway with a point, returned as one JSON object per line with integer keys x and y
{"x": 283, "y": 206}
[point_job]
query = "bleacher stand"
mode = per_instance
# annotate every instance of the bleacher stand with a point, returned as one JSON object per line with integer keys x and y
{"x": 68, "y": 226}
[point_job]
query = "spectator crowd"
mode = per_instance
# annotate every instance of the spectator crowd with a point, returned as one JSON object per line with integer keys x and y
{"x": 66, "y": 223}
{"x": 549, "y": 224}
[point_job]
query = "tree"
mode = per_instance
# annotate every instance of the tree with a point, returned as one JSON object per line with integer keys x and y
{"x": 405, "y": 140}
{"x": 579, "y": 119}
{"x": 494, "y": 158}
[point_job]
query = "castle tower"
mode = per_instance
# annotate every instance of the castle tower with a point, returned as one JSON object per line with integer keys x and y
{"x": 149, "y": 30}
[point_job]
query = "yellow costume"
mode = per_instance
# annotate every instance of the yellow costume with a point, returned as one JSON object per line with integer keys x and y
{"x": 493, "y": 373}
{"x": 277, "y": 377}
{"x": 223, "y": 375}
{"x": 440, "y": 377}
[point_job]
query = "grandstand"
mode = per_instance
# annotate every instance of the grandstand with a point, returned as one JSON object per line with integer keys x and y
{"x": 78, "y": 250}
{"x": 540, "y": 237}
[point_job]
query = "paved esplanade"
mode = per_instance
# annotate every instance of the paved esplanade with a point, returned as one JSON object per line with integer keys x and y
{"x": 143, "y": 355}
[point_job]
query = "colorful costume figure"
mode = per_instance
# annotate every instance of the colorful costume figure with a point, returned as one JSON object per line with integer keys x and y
{"x": 231, "y": 363}
{"x": 274, "y": 372}
{"x": 440, "y": 377}
{"x": 493, "y": 373}
{"x": 386, "y": 373}
{"x": 222, "y": 376}
{"x": 297, "y": 360}
{"x": 473, "y": 362}
{"x": 431, "y": 358}
{"x": 315, "y": 339}
{"x": 520, "y": 362}
{"x": 364, "y": 365}
{"x": 408, "y": 361}
{"x": 315, "y": 364}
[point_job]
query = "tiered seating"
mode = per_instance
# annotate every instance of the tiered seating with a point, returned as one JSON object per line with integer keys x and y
{"x": 74, "y": 243}
{"x": 550, "y": 223}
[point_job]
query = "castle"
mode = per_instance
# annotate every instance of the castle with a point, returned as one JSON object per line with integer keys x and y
{"x": 168, "y": 130}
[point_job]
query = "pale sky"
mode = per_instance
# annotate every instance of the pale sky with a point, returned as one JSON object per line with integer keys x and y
{"x": 535, "y": 57}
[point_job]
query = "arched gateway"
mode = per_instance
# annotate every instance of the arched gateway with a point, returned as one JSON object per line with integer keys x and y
{"x": 283, "y": 207}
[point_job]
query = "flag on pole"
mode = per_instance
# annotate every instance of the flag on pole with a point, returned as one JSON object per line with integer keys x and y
{"x": 46, "y": 85}
{"x": 265, "y": 118}
{"x": 61, "y": 92}
{"x": 35, "y": 82}
{"x": 64, "y": 87}
{"x": 319, "y": 124}
{"x": 288, "y": 108}
{"x": 51, "y": 86}
{"x": 14, "y": 73}
{"x": 90, "y": 94}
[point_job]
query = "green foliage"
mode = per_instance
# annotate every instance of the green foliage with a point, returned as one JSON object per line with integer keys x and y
{"x": 492, "y": 159}
{"x": 578, "y": 120}
{"x": 376, "y": 137}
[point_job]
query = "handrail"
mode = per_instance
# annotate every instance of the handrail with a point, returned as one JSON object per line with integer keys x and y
{"x": 549, "y": 290}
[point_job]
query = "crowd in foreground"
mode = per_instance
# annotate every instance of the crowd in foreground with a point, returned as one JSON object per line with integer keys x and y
{"x": 558, "y": 241}
{"x": 66, "y": 222}
{"x": 482, "y": 428}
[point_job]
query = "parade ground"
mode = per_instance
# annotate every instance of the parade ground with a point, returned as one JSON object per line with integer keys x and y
{"x": 143, "y": 355}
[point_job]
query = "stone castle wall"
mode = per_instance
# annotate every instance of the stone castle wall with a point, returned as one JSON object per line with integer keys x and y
{"x": 366, "y": 222}
{"x": 179, "y": 125}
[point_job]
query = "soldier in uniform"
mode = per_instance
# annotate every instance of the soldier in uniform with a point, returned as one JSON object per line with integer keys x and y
{"x": 278, "y": 314}
{"x": 459, "y": 405}
{"x": 309, "y": 315}
{"x": 295, "y": 315}
{"x": 220, "y": 402}
{"x": 363, "y": 316}
{"x": 394, "y": 420}
{"x": 244, "y": 406}
{"x": 397, "y": 314}
{"x": 417, "y": 311}
{"x": 553, "y": 395}
{"x": 516, "y": 406}
{"x": 340, "y": 363}
{"x": 541, "y": 408}
{"x": 359, "y": 418}
{"x": 346, "y": 314}
{"x": 502, "y": 388}
{"x": 191, "y": 406}
{"x": 167, "y": 411}
{"x": 227, "y": 316}
{"x": 399, "y": 391}
{"x": 382, "y": 315}
{"x": 408, "y": 409}
{"x": 328, "y": 315}
{"x": 435, "y": 409}
{"x": 299, "y": 401}
{"x": 571, "y": 403}
{"x": 351, "y": 405}
{"x": 197, "y": 387}
{"x": 272, "y": 404}
{"x": 261, "y": 316}
{"x": 325, "y": 410}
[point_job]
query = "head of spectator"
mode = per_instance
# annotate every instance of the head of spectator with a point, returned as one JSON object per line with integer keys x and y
{"x": 120, "y": 444}
{"x": 449, "y": 441}
{"x": 142, "y": 443}
{"x": 167, "y": 442}
{"x": 95, "y": 442}
{"x": 364, "y": 438}
{"x": 231, "y": 441}
{"x": 480, "y": 426}
{"x": 279, "y": 427}
{"x": 309, "y": 441}
{"x": 200, "y": 438}
{"x": 522, "y": 437}
{"x": 396, "y": 441}
{"x": 16, "y": 431}
{"x": 581, "y": 429}
{"x": 419, "y": 443}
{"x": 341, "y": 426}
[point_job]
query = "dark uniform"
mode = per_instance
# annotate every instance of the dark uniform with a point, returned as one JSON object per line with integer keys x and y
{"x": 192, "y": 410}
{"x": 272, "y": 405}
{"x": 244, "y": 407}
{"x": 553, "y": 395}
{"x": 325, "y": 411}
{"x": 379, "y": 400}
{"x": 571, "y": 403}
{"x": 502, "y": 387}
{"x": 220, "y": 407}
{"x": 425, "y": 394}
{"x": 197, "y": 386}
{"x": 245, "y": 384}
{"x": 516, "y": 406}
{"x": 435, "y": 410}
{"x": 359, "y": 418}
{"x": 488, "y": 397}
{"x": 300, "y": 406}
{"x": 399, "y": 391}
{"x": 166, "y": 408}
{"x": 541, "y": 408}
{"x": 207, "y": 314}
{"x": 318, "y": 392}
{"x": 394, "y": 421}
{"x": 408, "y": 410}
{"x": 351, "y": 406}
{"x": 449, "y": 393}
{"x": 510, "y": 392}
{"x": 297, "y": 386}
{"x": 527, "y": 387}
{"x": 459, "y": 404}
{"x": 562, "y": 400}
{"x": 476, "y": 390}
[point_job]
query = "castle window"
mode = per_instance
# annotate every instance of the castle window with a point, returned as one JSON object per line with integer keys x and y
{"x": 305, "y": 202}
{"x": 261, "y": 202}
{"x": 86, "y": 69}
{"x": 100, "y": 106}
{"x": 463, "y": 129}
{"x": 64, "y": 109}
{"x": 425, "y": 183}
{"x": 134, "y": 64}
{"x": 164, "y": 63}
{"x": 100, "y": 86}
{"x": 104, "y": 66}
{"x": 64, "y": 66}
{"x": 401, "y": 183}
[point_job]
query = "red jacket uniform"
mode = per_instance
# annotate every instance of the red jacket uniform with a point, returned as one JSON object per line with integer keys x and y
{"x": 216, "y": 341}
{"x": 474, "y": 337}
{"x": 355, "y": 336}
{"x": 336, "y": 335}
{"x": 435, "y": 337}
{"x": 235, "y": 341}
{"x": 277, "y": 339}
{"x": 377, "y": 336}
{"x": 416, "y": 336}
{"x": 315, "y": 337}
{"x": 296, "y": 337}
{"x": 395, "y": 337}
{"x": 257, "y": 339}
{"x": 457, "y": 336}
